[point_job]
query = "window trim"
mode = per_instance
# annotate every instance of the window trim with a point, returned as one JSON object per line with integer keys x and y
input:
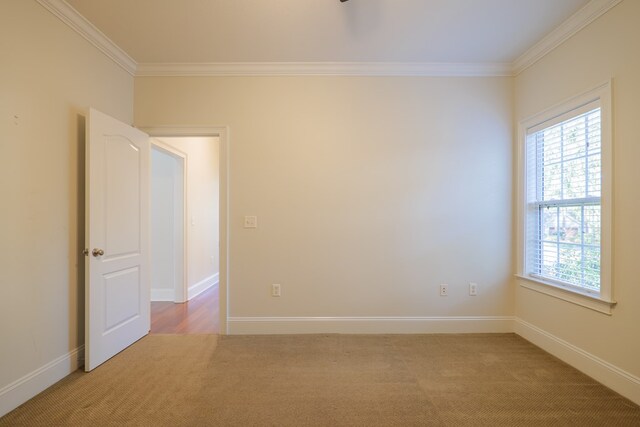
{"x": 603, "y": 301}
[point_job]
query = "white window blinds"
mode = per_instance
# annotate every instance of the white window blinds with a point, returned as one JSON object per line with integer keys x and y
{"x": 564, "y": 176}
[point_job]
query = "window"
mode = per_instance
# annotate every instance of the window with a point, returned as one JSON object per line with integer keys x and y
{"x": 567, "y": 197}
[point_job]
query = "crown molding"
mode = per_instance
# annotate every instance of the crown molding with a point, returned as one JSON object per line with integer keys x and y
{"x": 583, "y": 17}
{"x": 325, "y": 69}
{"x": 86, "y": 29}
{"x": 67, "y": 14}
{"x": 590, "y": 12}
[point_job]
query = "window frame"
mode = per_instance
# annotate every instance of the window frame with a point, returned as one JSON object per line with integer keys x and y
{"x": 602, "y": 301}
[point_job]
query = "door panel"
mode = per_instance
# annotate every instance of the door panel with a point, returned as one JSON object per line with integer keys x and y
{"x": 122, "y": 197}
{"x": 117, "y": 211}
{"x": 121, "y": 300}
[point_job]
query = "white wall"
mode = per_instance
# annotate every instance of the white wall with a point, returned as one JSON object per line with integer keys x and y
{"x": 369, "y": 192}
{"x": 166, "y": 183}
{"x": 202, "y": 160}
{"x": 608, "y": 48}
{"x": 48, "y": 77}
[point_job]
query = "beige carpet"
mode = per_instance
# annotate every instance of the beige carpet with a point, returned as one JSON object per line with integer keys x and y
{"x": 329, "y": 380}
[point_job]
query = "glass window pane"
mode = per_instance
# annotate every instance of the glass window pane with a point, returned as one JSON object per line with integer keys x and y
{"x": 551, "y": 148}
{"x": 592, "y": 225}
{"x": 551, "y": 183}
{"x": 574, "y": 144}
{"x": 570, "y": 222}
{"x": 574, "y": 178}
{"x": 595, "y": 175}
{"x": 549, "y": 259}
{"x": 569, "y": 267}
{"x": 592, "y": 268}
{"x": 593, "y": 127}
{"x": 549, "y": 223}
{"x": 566, "y": 168}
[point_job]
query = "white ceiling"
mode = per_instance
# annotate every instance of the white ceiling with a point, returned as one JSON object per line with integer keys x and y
{"x": 430, "y": 31}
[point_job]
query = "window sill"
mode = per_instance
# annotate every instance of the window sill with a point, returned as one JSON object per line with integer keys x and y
{"x": 589, "y": 301}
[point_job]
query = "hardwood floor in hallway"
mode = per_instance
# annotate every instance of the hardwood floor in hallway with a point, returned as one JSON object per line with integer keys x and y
{"x": 200, "y": 315}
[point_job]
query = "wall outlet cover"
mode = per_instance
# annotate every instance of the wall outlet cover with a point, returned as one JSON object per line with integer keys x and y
{"x": 275, "y": 290}
{"x": 473, "y": 289}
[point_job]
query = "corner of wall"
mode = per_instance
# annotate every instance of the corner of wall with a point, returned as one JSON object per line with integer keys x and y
{"x": 23, "y": 389}
{"x": 617, "y": 379}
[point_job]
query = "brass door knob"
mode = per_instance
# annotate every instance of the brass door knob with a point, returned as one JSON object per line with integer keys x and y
{"x": 97, "y": 252}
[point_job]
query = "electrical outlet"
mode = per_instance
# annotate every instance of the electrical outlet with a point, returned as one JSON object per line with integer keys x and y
{"x": 275, "y": 290}
{"x": 473, "y": 289}
{"x": 444, "y": 290}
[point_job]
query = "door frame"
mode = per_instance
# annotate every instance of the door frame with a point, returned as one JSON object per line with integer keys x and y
{"x": 222, "y": 132}
{"x": 180, "y": 289}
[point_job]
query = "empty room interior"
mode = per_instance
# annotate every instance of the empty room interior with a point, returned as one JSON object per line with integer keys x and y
{"x": 318, "y": 213}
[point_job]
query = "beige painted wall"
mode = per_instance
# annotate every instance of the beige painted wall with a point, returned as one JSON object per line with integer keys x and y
{"x": 49, "y": 75}
{"x": 369, "y": 191}
{"x": 605, "y": 49}
{"x": 202, "y": 204}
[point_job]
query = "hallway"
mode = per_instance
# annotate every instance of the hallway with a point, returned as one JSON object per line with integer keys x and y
{"x": 198, "y": 316}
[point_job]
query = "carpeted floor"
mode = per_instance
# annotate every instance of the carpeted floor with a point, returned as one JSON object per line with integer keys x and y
{"x": 329, "y": 380}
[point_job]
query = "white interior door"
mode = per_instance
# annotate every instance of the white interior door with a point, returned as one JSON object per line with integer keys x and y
{"x": 117, "y": 216}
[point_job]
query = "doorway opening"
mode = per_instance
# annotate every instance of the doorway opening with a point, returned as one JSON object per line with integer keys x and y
{"x": 185, "y": 234}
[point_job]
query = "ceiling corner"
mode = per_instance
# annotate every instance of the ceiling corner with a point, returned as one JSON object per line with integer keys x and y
{"x": 583, "y": 17}
{"x": 67, "y": 14}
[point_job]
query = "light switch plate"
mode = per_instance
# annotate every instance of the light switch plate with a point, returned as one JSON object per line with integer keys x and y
{"x": 250, "y": 222}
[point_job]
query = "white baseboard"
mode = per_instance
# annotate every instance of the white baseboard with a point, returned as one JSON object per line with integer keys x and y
{"x": 202, "y": 285}
{"x": 23, "y": 389}
{"x": 162, "y": 294}
{"x": 602, "y": 371}
{"x": 368, "y": 325}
